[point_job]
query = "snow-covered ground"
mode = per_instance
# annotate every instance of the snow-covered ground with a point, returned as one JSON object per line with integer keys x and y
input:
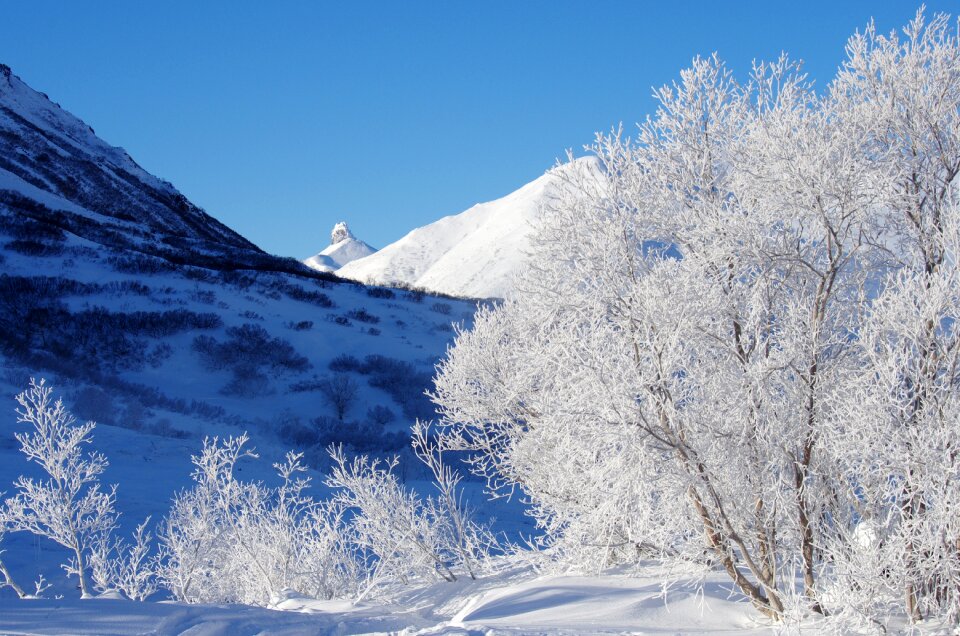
{"x": 510, "y": 603}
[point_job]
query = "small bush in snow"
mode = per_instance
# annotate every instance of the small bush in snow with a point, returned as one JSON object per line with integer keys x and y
{"x": 343, "y": 321}
{"x": 240, "y": 542}
{"x": 313, "y": 297}
{"x": 164, "y": 428}
{"x": 380, "y": 415}
{"x": 343, "y": 363}
{"x": 398, "y": 535}
{"x": 364, "y": 437}
{"x": 380, "y": 292}
{"x": 302, "y": 325}
{"x": 249, "y": 349}
{"x": 362, "y": 315}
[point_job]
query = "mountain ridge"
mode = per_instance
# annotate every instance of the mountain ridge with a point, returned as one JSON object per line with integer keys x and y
{"x": 474, "y": 253}
{"x": 52, "y": 149}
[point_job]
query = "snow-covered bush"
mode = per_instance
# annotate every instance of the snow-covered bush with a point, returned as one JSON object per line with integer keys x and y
{"x": 229, "y": 541}
{"x": 396, "y": 534}
{"x": 126, "y": 567}
{"x": 465, "y": 542}
{"x": 225, "y": 540}
{"x": 68, "y": 506}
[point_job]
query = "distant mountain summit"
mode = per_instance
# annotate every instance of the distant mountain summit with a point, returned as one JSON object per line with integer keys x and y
{"x": 475, "y": 253}
{"x": 344, "y": 248}
{"x": 340, "y": 232}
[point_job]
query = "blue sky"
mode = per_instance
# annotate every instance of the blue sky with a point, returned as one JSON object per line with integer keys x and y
{"x": 281, "y": 118}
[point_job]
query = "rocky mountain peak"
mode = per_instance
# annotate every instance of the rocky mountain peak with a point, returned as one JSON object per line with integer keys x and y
{"x": 340, "y": 232}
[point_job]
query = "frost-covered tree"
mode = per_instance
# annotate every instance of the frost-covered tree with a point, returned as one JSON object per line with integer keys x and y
{"x": 897, "y": 440}
{"x": 696, "y": 299}
{"x": 896, "y": 411}
{"x": 68, "y": 506}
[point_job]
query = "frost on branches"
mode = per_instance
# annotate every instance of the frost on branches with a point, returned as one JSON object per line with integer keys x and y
{"x": 741, "y": 344}
{"x": 68, "y": 506}
{"x": 227, "y": 541}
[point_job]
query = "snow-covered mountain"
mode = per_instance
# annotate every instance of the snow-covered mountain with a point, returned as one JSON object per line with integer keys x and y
{"x": 344, "y": 248}
{"x": 472, "y": 254}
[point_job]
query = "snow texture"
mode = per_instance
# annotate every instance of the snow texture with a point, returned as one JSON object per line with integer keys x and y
{"x": 548, "y": 605}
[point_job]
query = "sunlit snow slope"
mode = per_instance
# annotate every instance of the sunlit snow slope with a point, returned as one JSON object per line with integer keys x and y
{"x": 474, "y": 253}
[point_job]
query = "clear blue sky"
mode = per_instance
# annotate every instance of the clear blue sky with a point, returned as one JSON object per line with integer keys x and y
{"x": 280, "y": 118}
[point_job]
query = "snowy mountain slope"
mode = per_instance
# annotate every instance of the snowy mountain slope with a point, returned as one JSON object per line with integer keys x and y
{"x": 472, "y": 254}
{"x": 344, "y": 248}
{"x": 48, "y": 147}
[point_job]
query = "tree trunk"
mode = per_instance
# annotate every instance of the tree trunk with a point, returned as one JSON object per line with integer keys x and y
{"x": 768, "y": 604}
{"x": 9, "y": 582}
{"x": 806, "y": 532}
{"x": 85, "y": 591}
